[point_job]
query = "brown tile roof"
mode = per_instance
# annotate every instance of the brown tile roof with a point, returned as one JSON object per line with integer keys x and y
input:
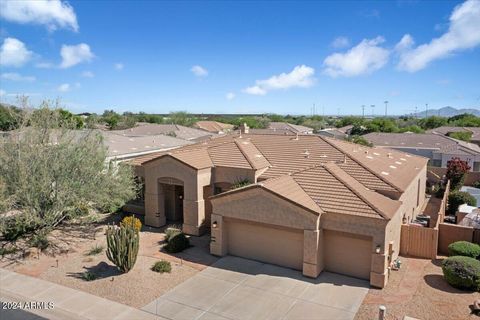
{"x": 335, "y": 176}
{"x": 289, "y": 126}
{"x": 394, "y": 167}
{"x": 213, "y": 126}
{"x": 287, "y": 187}
{"x": 228, "y": 155}
{"x": 178, "y": 131}
{"x": 252, "y": 154}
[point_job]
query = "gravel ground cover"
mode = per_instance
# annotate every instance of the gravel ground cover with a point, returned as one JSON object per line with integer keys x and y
{"x": 418, "y": 290}
{"x": 66, "y": 261}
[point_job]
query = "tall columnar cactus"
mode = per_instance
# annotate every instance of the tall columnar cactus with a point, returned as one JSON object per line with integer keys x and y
{"x": 122, "y": 246}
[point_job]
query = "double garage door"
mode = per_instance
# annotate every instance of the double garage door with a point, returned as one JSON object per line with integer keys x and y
{"x": 344, "y": 253}
{"x": 283, "y": 247}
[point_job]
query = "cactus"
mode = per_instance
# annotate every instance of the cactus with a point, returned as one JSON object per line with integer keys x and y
{"x": 122, "y": 246}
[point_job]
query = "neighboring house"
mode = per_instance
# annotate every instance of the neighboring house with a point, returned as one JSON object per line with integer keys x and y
{"x": 214, "y": 126}
{"x": 173, "y": 130}
{"x": 438, "y": 148}
{"x": 346, "y": 129}
{"x": 124, "y": 147}
{"x": 313, "y": 203}
{"x": 333, "y": 133}
{"x": 290, "y": 127}
{"x": 447, "y": 130}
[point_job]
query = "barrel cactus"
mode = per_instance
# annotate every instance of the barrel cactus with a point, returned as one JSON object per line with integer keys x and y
{"x": 122, "y": 246}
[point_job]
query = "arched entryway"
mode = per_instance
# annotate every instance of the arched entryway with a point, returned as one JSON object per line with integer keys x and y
{"x": 173, "y": 192}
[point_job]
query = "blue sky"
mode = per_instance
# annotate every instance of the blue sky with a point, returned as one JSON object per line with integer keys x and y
{"x": 242, "y": 57}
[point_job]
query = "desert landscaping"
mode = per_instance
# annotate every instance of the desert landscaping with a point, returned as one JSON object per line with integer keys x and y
{"x": 71, "y": 254}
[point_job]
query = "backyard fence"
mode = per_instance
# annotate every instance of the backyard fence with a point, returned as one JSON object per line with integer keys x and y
{"x": 422, "y": 242}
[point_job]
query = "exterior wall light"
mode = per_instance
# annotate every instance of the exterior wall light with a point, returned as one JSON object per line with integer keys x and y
{"x": 377, "y": 249}
{"x": 214, "y": 224}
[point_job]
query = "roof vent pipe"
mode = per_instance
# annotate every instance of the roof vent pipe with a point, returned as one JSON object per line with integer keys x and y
{"x": 296, "y": 136}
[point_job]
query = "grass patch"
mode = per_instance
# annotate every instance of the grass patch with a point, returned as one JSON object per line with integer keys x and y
{"x": 162, "y": 266}
{"x": 96, "y": 249}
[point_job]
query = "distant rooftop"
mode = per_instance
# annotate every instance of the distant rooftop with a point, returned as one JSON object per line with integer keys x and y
{"x": 174, "y": 130}
{"x": 214, "y": 126}
{"x": 290, "y": 127}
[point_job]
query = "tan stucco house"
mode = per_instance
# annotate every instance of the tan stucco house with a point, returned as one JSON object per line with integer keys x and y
{"x": 313, "y": 203}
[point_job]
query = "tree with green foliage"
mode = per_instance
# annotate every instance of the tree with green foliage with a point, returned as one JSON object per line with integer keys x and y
{"x": 432, "y": 122}
{"x": 359, "y": 140}
{"x": 9, "y": 117}
{"x": 461, "y": 135}
{"x": 457, "y": 198}
{"x": 464, "y": 120}
{"x": 48, "y": 171}
{"x": 182, "y": 118}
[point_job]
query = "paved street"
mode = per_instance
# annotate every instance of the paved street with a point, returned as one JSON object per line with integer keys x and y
{"x": 235, "y": 288}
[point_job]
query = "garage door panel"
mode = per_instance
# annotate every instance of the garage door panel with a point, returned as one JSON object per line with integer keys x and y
{"x": 268, "y": 244}
{"x": 347, "y": 254}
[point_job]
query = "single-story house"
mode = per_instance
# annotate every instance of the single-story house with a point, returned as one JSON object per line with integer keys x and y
{"x": 475, "y": 132}
{"x": 173, "y": 130}
{"x": 214, "y": 126}
{"x": 304, "y": 201}
{"x": 333, "y": 133}
{"x": 438, "y": 148}
{"x": 290, "y": 127}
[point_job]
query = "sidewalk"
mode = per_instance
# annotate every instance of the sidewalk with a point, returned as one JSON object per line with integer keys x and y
{"x": 67, "y": 303}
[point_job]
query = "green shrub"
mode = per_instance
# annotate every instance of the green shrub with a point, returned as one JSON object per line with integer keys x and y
{"x": 170, "y": 231}
{"x": 177, "y": 243}
{"x": 162, "y": 266}
{"x": 122, "y": 246}
{"x": 7, "y": 250}
{"x": 457, "y": 198}
{"x": 464, "y": 248}
{"x": 476, "y": 184}
{"x": 462, "y": 272}
{"x": 89, "y": 276}
{"x": 97, "y": 249}
{"x": 17, "y": 226}
{"x": 39, "y": 240}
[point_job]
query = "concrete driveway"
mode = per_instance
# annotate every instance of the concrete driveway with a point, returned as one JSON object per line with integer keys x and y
{"x": 236, "y": 288}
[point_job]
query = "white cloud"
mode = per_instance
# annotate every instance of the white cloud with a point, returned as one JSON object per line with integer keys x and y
{"x": 118, "y": 66}
{"x": 64, "y": 87}
{"x": 406, "y": 43}
{"x": 199, "y": 71}
{"x": 230, "y": 96}
{"x": 88, "y": 74}
{"x": 463, "y": 33}
{"x": 300, "y": 76}
{"x": 340, "y": 42}
{"x": 14, "y": 53}
{"x": 44, "y": 65}
{"x": 52, "y": 13}
{"x": 13, "y": 76}
{"x": 73, "y": 55}
{"x": 364, "y": 58}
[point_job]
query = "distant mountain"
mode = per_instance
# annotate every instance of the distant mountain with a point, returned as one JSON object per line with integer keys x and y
{"x": 447, "y": 112}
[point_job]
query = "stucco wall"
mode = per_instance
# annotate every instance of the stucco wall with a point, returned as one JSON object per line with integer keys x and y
{"x": 449, "y": 233}
{"x": 257, "y": 204}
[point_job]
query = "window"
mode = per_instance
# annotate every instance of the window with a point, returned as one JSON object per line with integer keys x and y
{"x": 476, "y": 166}
{"x": 435, "y": 163}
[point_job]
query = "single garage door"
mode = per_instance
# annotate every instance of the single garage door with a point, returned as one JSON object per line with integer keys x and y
{"x": 283, "y": 247}
{"x": 347, "y": 254}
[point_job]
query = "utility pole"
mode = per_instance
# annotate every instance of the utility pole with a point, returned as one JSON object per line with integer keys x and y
{"x": 373, "y": 110}
{"x": 338, "y": 112}
{"x": 416, "y": 112}
{"x": 426, "y": 110}
{"x": 386, "y": 107}
{"x": 363, "y": 111}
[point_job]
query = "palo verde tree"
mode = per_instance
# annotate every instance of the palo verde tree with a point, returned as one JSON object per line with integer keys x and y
{"x": 48, "y": 171}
